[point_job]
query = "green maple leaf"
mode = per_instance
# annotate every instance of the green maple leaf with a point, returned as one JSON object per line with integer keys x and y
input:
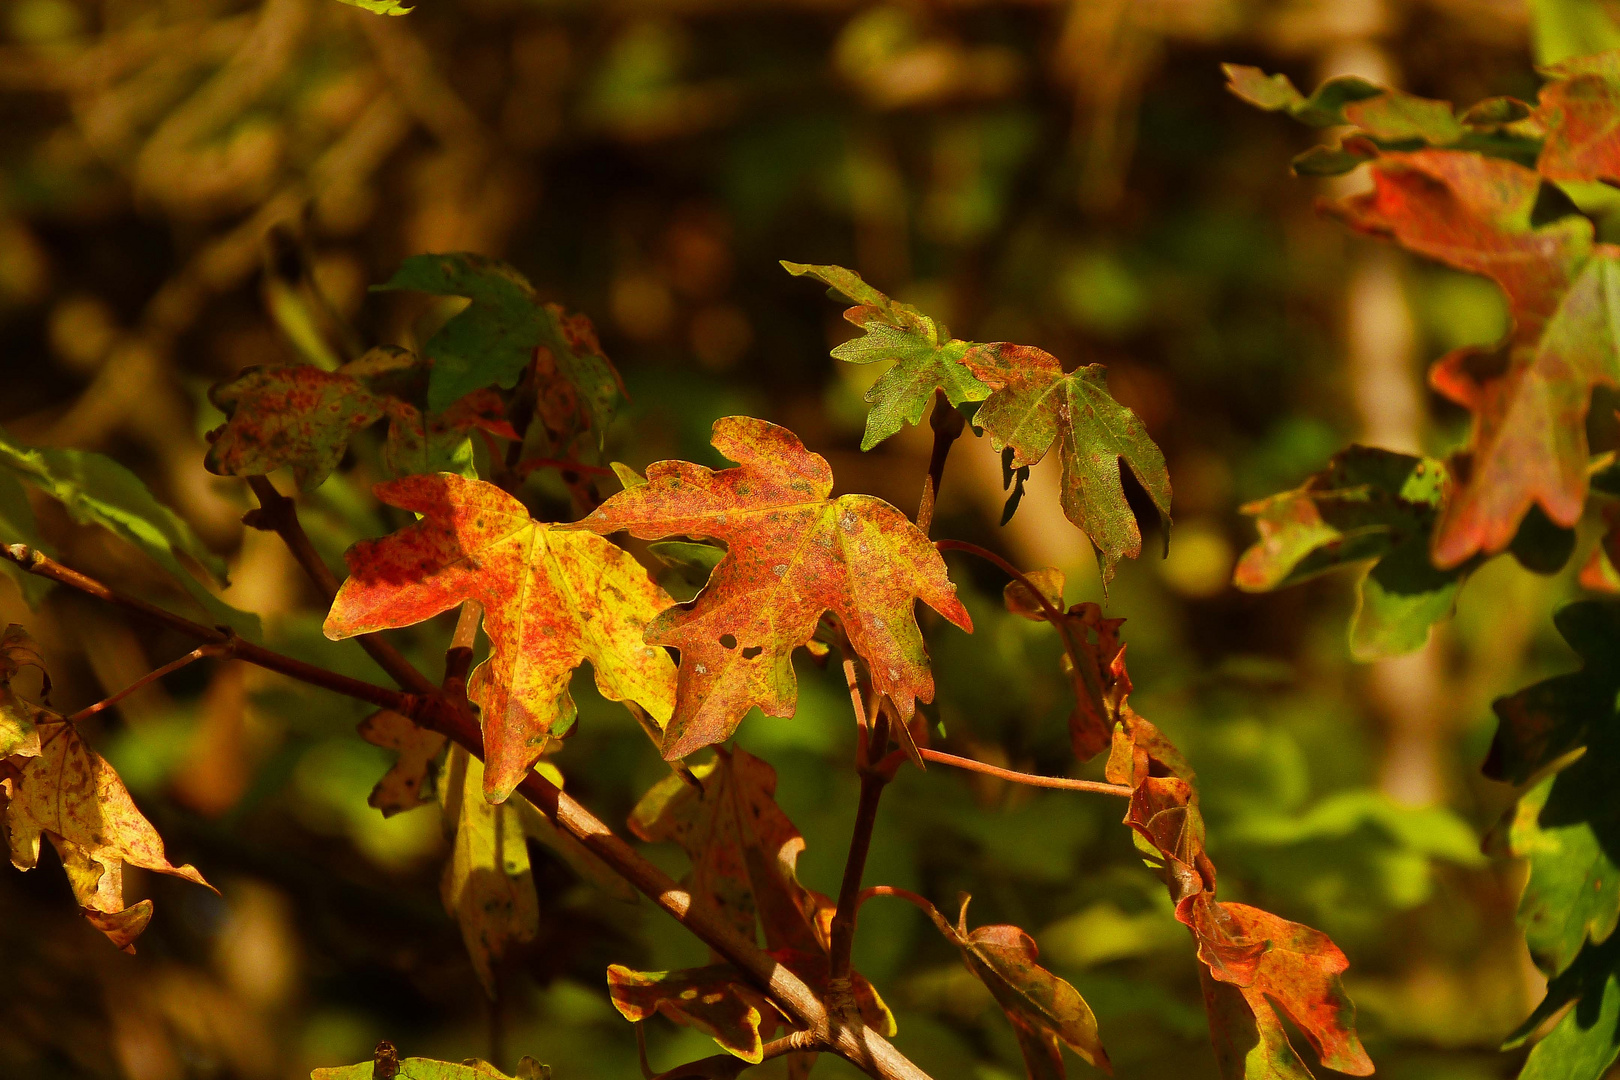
{"x": 926, "y": 358}
{"x": 1034, "y": 405}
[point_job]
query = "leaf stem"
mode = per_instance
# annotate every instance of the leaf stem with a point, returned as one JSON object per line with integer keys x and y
{"x": 847, "y": 1037}
{"x": 947, "y": 425}
{"x": 839, "y": 989}
{"x": 150, "y": 677}
{"x": 1061, "y": 783}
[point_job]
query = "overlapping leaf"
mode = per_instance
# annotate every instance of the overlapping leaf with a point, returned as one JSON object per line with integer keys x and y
{"x": 1529, "y": 396}
{"x": 96, "y": 489}
{"x": 744, "y": 852}
{"x": 926, "y": 358}
{"x": 495, "y": 338}
{"x": 1579, "y": 109}
{"x": 713, "y": 1000}
{"x": 17, "y": 527}
{"x": 405, "y": 785}
{"x": 552, "y": 599}
{"x": 1034, "y": 405}
{"x": 792, "y": 553}
{"x": 1046, "y": 1012}
{"x": 1369, "y": 506}
{"x": 386, "y": 1064}
{"x": 1099, "y": 678}
{"x": 1254, "y": 963}
{"x": 19, "y": 730}
{"x": 303, "y": 417}
{"x": 55, "y": 786}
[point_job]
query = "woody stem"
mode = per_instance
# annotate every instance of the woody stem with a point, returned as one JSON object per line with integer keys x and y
{"x": 947, "y": 424}
{"x": 848, "y": 1038}
{"x": 150, "y": 677}
{"x": 860, "y": 844}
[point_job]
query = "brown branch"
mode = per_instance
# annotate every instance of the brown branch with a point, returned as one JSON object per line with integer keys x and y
{"x": 150, "y": 677}
{"x": 728, "y": 1066}
{"x": 1061, "y": 783}
{"x": 846, "y": 1037}
{"x": 947, "y": 425}
{"x": 839, "y": 991}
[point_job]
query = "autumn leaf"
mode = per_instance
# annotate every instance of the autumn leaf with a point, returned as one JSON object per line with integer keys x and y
{"x": 1579, "y": 109}
{"x": 1530, "y": 395}
{"x": 386, "y": 1064}
{"x": 744, "y": 852}
{"x": 19, "y": 732}
{"x": 713, "y": 1000}
{"x": 792, "y": 553}
{"x": 1034, "y": 405}
{"x": 487, "y": 884}
{"x": 405, "y": 785}
{"x": 1254, "y": 963}
{"x": 552, "y": 599}
{"x": 1276, "y": 93}
{"x": 494, "y": 339}
{"x": 302, "y": 417}
{"x": 1099, "y": 679}
{"x": 925, "y": 357}
{"x": 380, "y": 7}
{"x": 95, "y": 489}
{"x": 69, "y": 794}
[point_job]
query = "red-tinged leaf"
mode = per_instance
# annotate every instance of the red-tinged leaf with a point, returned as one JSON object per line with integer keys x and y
{"x": 1046, "y": 1012}
{"x": 1100, "y": 682}
{"x": 552, "y": 599}
{"x": 70, "y": 794}
{"x": 404, "y": 786}
{"x": 713, "y": 1000}
{"x": 1255, "y": 963}
{"x": 1530, "y": 397}
{"x": 744, "y": 849}
{"x": 1579, "y": 110}
{"x": 303, "y": 417}
{"x": 1034, "y": 405}
{"x": 792, "y": 553}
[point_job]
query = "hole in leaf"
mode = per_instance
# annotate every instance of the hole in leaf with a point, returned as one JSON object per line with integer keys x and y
{"x": 728, "y": 641}
{"x": 752, "y": 651}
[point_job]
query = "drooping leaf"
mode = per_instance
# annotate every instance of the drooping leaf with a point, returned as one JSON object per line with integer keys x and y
{"x": 19, "y": 731}
{"x": 1368, "y": 506}
{"x": 1099, "y": 679}
{"x": 68, "y": 793}
{"x": 17, "y": 527}
{"x": 1586, "y": 1041}
{"x": 1276, "y": 93}
{"x": 1254, "y": 963}
{"x": 487, "y": 884}
{"x": 302, "y": 417}
{"x": 96, "y": 489}
{"x": 925, "y": 356}
{"x": 405, "y": 785}
{"x": 791, "y": 554}
{"x": 1034, "y": 405}
{"x": 495, "y": 338}
{"x": 1046, "y": 1012}
{"x": 1529, "y": 396}
{"x": 713, "y": 1000}
{"x": 552, "y": 599}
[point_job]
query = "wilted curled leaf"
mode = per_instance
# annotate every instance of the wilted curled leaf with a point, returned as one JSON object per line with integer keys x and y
{"x": 19, "y": 733}
{"x": 791, "y": 554}
{"x": 1093, "y": 658}
{"x": 552, "y": 599}
{"x": 1529, "y": 395}
{"x": 487, "y": 884}
{"x": 1034, "y": 405}
{"x": 1046, "y": 1012}
{"x": 1254, "y": 963}
{"x": 926, "y": 358}
{"x": 713, "y": 1000}
{"x": 68, "y": 793}
{"x": 404, "y": 786}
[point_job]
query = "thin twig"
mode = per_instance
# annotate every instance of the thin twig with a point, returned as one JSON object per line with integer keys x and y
{"x": 150, "y": 677}
{"x": 847, "y": 1037}
{"x": 1061, "y": 783}
{"x": 842, "y": 934}
{"x": 914, "y": 899}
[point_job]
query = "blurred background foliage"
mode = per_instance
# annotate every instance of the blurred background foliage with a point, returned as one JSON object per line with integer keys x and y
{"x": 1064, "y": 174}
